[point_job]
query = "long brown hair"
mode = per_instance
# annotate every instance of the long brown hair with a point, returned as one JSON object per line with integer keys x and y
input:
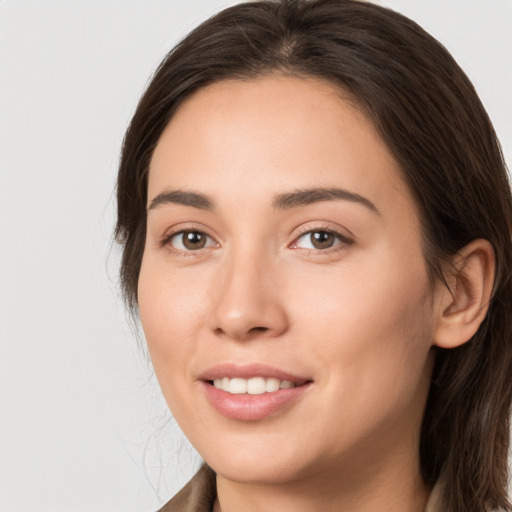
{"x": 429, "y": 114}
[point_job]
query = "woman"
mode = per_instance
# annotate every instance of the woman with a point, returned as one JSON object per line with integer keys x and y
{"x": 316, "y": 222}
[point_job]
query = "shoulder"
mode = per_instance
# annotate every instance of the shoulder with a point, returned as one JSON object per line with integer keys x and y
{"x": 435, "y": 502}
{"x": 197, "y": 496}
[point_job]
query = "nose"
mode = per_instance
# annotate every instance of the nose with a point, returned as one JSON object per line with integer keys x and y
{"x": 247, "y": 302}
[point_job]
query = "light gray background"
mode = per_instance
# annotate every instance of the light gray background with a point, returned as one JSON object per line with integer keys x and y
{"x": 82, "y": 424}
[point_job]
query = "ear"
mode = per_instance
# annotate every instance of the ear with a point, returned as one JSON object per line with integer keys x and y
{"x": 463, "y": 306}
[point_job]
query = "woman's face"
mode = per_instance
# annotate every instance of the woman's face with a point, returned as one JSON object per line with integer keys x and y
{"x": 283, "y": 251}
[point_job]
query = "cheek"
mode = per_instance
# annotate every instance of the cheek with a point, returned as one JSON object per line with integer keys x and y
{"x": 371, "y": 329}
{"x": 365, "y": 296}
{"x": 171, "y": 312}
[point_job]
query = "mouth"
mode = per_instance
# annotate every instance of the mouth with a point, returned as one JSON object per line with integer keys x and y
{"x": 253, "y": 385}
{"x": 252, "y": 392}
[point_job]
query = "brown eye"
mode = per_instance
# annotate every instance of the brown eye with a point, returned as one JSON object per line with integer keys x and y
{"x": 194, "y": 240}
{"x": 322, "y": 239}
{"x": 191, "y": 240}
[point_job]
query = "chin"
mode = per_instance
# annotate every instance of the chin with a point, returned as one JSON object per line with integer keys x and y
{"x": 263, "y": 472}
{"x": 259, "y": 461}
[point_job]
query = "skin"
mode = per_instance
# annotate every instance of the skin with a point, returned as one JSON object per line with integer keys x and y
{"x": 358, "y": 318}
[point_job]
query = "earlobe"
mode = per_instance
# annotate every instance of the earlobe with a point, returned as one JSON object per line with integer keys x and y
{"x": 463, "y": 307}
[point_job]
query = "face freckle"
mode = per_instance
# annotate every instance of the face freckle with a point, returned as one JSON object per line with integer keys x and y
{"x": 346, "y": 320}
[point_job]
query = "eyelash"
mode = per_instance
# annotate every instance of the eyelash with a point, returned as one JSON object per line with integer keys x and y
{"x": 343, "y": 240}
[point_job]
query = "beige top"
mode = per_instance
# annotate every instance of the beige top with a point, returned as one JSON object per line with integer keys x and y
{"x": 200, "y": 493}
{"x": 197, "y": 496}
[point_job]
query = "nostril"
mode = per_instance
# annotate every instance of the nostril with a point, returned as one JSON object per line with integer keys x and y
{"x": 253, "y": 332}
{"x": 258, "y": 329}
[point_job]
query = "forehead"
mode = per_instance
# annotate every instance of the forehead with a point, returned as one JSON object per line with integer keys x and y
{"x": 259, "y": 137}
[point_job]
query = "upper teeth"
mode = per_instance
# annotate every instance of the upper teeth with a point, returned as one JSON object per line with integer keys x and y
{"x": 253, "y": 386}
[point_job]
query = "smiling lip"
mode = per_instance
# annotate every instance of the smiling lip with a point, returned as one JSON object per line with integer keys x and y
{"x": 250, "y": 407}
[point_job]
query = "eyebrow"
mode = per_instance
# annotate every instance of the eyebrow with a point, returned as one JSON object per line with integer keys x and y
{"x": 182, "y": 197}
{"x": 304, "y": 197}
